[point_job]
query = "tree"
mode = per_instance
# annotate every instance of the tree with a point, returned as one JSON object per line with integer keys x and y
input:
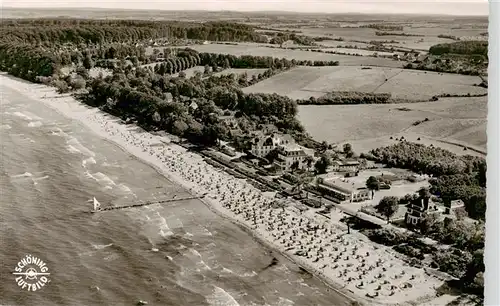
{"x": 388, "y": 206}
{"x": 87, "y": 62}
{"x": 347, "y": 148}
{"x": 309, "y": 161}
{"x": 294, "y": 166}
{"x": 78, "y": 83}
{"x": 430, "y": 224}
{"x": 322, "y": 164}
{"x": 61, "y": 85}
{"x": 323, "y": 146}
{"x": 206, "y": 70}
{"x": 373, "y": 184}
{"x": 424, "y": 193}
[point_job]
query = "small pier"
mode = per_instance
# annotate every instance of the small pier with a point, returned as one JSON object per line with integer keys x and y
{"x": 147, "y": 203}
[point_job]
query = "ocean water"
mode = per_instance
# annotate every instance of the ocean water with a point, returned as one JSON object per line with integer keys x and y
{"x": 178, "y": 253}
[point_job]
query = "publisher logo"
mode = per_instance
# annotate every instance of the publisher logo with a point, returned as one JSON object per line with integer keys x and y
{"x": 31, "y": 273}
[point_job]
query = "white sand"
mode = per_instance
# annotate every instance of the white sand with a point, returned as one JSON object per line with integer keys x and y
{"x": 370, "y": 272}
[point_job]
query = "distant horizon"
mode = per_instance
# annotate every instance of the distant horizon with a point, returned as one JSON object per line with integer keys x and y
{"x": 237, "y": 11}
{"x": 365, "y": 7}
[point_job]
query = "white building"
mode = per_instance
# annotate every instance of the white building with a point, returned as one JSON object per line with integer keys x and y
{"x": 343, "y": 190}
{"x": 345, "y": 166}
{"x": 264, "y": 144}
{"x": 293, "y": 153}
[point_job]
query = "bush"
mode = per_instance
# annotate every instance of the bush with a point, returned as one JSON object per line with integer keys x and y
{"x": 453, "y": 261}
{"x": 409, "y": 251}
{"x": 61, "y": 86}
{"x": 387, "y": 237}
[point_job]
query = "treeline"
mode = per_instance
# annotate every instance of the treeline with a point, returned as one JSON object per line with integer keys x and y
{"x": 60, "y": 31}
{"x": 249, "y": 61}
{"x": 143, "y": 95}
{"x": 452, "y": 63}
{"x": 382, "y": 26}
{"x": 380, "y": 33}
{"x": 473, "y": 47}
{"x": 454, "y": 177}
{"x": 348, "y": 97}
{"x": 449, "y": 36}
{"x": 281, "y": 37}
{"x": 28, "y": 62}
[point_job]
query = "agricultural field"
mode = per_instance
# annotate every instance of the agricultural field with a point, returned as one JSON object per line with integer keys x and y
{"x": 358, "y": 51}
{"x": 343, "y": 44}
{"x": 304, "y": 82}
{"x": 344, "y": 60}
{"x": 452, "y": 123}
{"x": 250, "y": 72}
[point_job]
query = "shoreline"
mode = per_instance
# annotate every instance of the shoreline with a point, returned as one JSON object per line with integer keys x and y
{"x": 216, "y": 206}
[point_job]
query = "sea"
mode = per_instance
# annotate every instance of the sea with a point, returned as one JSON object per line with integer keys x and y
{"x": 177, "y": 253}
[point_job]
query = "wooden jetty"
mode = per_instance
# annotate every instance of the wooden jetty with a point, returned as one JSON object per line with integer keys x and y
{"x": 146, "y": 203}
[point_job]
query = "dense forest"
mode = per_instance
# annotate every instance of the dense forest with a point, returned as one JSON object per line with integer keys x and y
{"x": 59, "y": 31}
{"x": 454, "y": 177}
{"x": 461, "y": 47}
{"x": 348, "y": 97}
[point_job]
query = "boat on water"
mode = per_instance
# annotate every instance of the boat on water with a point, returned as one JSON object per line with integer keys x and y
{"x": 97, "y": 206}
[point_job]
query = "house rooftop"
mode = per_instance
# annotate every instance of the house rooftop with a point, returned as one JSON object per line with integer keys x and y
{"x": 343, "y": 184}
{"x": 347, "y": 162}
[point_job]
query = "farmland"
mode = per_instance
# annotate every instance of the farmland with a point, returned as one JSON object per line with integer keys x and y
{"x": 456, "y": 120}
{"x": 257, "y": 50}
{"x": 304, "y": 82}
{"x": 250, "y": 72}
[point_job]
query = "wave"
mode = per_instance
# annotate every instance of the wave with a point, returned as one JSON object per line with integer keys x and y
{"x": 40, "y": 178}
{"x": 101, "y": 178}
{"x": 101, "y": 246}
{"x": 200, "y": 262}
{"x": 21, "y": 115}
{"x": 164, "y": 228}
{"x": 76, "y": 145}
{"x": 58, "y": 132}
{"x": 124, "y": 188}
{"x": 220, "y": 297}
{"x": 89, "y": 160}
{"x": 35, "y": 124}
{"x": 285, "y": 302}
{"x": 25, "y": 174}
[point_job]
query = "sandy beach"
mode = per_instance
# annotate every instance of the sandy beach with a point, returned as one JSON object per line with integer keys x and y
{"x": 370, "y": 273}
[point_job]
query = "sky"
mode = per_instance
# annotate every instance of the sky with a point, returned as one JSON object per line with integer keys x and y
{"x": 448, "y": 7}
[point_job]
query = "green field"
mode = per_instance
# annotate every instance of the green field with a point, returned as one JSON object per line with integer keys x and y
{"x": 304, "y": 82}
{"x": 456, "y": 120}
